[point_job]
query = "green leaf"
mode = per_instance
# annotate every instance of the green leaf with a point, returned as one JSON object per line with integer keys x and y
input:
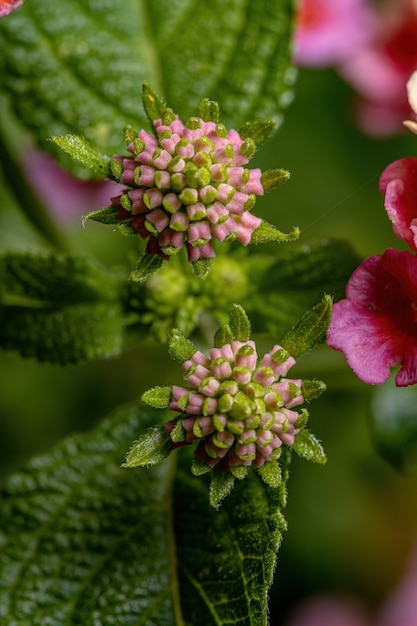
{"x": 259, "y": 130}
{"x": 274, "y": 178}
{"x": 201, "y": 268}
{"x": 153, "y": 104}
{"x": 291, "y": 281}
{"x": 222, "y": 336}
{"x": 239, "y": 323}
{"x": 221, "y": 485}
{"x": 239, "y": 471}
{"x": 307, "y": 446}
{"x": 179, "y": 347}
{"x": 145, "y": 267}
{"x": 394, "y": 425}
{"x": 209, "y": 110}
{"x": 227, "y": 557}
{"x": 321, "y": 266}
{"x": 71, "y": 68}
{"x": 108, "y": 215}
{"x": 60, "y": 309}
{"x": 150, "y": 449}
{"x": 310, "y": 330}
{"x": 76, "y": 527}
{"x": 312, "y": 389}
{"x": 271, "y": 473}
{"x": 199, "y": 467}
{"x": 266, "y": 233}
{"x": 81, "y": 151}
{"x": 158, "y": 397}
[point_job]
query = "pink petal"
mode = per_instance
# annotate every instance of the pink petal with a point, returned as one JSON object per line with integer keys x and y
{"x": 7, "y": 6}
{"x": 375, "y": 326}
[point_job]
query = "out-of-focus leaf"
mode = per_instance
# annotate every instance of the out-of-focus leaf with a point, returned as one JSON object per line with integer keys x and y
{"x": 394, "y": 425}
{"x": 81, "y": 151}
{"x": 310, "y": 330}
{"x": 294, "y": 279}
{"x": 60, "y": 309}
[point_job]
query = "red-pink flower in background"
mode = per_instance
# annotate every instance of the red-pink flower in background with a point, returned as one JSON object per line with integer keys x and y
{"x": 7, "y": 6}
{"x": 375, "y": 326}
{"x": 379, "y": 70}
{"x": 373, "y": 47}
{"x": 327, "y": 31}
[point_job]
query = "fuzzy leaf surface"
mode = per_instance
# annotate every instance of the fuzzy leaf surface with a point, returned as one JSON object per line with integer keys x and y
{"x": 85, "y": 541}
{"x": 78, "y": 68}
{"x": 57, "y": 308}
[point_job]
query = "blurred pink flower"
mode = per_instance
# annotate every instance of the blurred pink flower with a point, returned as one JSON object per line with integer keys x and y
{"x": 7, "y": 6}
{"x": 379, "y": 70}
{"x": 400, "y": 608}
{"x": 375, "y": 325}
{"x": 327, "y": 30}
{"x": 66, "y": 198}
{"x": 327, "y": 610}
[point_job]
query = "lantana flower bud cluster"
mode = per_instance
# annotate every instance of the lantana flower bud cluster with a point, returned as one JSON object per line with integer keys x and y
{"x": 241, "y": 411}
{"x": 188, "y": 186}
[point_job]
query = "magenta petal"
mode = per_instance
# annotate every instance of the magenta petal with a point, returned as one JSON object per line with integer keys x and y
{"x": 354, "y": 331}
{"x": 399, "y": 184}
{"x": 376, "y": 325}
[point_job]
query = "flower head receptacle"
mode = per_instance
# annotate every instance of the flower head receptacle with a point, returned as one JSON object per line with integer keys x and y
{"x": 237, "y": 409}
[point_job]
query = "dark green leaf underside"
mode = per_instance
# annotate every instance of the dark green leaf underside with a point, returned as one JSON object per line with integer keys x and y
{"x": 85, "y": 541}
{"x": 227, "y": 557}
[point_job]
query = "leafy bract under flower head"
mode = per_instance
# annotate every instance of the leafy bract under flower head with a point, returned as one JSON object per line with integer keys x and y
{"x": 186, "y": 185}
{"x": 238, "y": 409}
